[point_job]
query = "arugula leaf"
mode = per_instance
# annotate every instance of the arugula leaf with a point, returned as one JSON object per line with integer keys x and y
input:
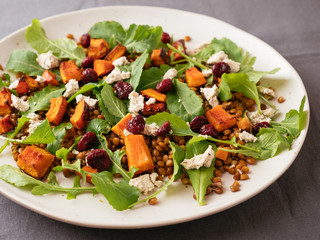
{"x": 255, "y": 76}
{"x": 136, "y": 69}
{"x": 62, "y": 48}
{"x": 181, "y": 68}
{"x": 230, "y": 48}
{"x": 114, "y": 105}
{"x": 76, "y": 184}
{"x": 98, "y": 126}
{"x": 151, "y": 77}
{"x": 24, "y": 61}
{"x": 59, "y": 133}
{"x": 85, "y": 88}
{"x": 189, "y": 105}
{"x": 107, "y": 115}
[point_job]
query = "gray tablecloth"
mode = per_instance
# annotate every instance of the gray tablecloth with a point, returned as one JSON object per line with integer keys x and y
{"x": 289, "y": 208}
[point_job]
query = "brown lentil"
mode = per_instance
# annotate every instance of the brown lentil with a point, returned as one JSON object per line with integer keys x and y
{"x": 244, "y": 176}
{"x": 235, "y": 186}
{"x": 153, "y": 201}
{"x": 187, "y": 38}
{"x": 251, "y": 161}
{"x": 281, "y": 99}
{"x": 217, "y": 173}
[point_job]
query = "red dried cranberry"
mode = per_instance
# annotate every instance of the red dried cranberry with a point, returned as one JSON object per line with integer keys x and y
{"x": 87, "y": 62}
{"x": 99, "y": 159}
{"x": 165, "y": 128}
{"x": 261, "y": 125}
{"x": 85, "y": 40}
{"x": 165, "y": 37}
{"x": 198, "y": 122}
{"x": 220, "y": 68}
{"x": 86, "y": 141}
{"x": 164, "y": 86}
{"x": 123, "y": 89}
{"x": 89, "y": 75}
{"x": 136, "y": 124}
{"x": 209, "y": 130}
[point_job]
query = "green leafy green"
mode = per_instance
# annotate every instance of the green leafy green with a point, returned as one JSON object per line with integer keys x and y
{"x": 76, "y": 184}
{"x": 98, "y": 126}
{"x": 115, "y": 106}
{"x": 85, "y": 88}
{"x": 255, "y": 76}
{"x": 181, "y": 68}
{"x": 62, "y": 48}
{"x": 59, "y": 133}
{"x": 5, "y": 82}
{"x": 107, "y": 115}
{"x": 136, "y": 69}
{"x": 151, "y": 77}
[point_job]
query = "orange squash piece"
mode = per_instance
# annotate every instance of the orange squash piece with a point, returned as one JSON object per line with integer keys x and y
{"x": 102, "y": 67}
{"x": 220, "y": 119}
{"x": 6, "y": 124}
{"x": 57, "y": 110}
{"x": 138, "y": 153}
{"x": 5, "y": 102}
{"x": 69, "y": 70}
{"x": 116, "y": 53}
{"x": 22, "y": 87}
{"x": 179, "y": 44}
{"x": 194, "y": 77}
{"x": 121, "y": 125}
{"x": 88, "y": 176}
{"x": 50, "y": 78}
{"x": 153, "y": 109}
{"x": 244, "y": 124}
{"x": 81, "y": 115}
{"x": 35, "y": 161}
{"x": 223, "y": 155}
{"x": 159, "y": 57}
{"x": 151, "y": 93}
{"x": 32, "y": 83}
{"x": 98, "y": 48}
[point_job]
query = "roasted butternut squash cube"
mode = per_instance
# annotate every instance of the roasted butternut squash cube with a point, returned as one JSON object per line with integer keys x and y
{"x": 121, "y": 125}
{"x": 153, "y": 109}
{"x": 50, "y": 78}
{"x": 159, "y": 57}
{"x": 194, "y": 77}
{"x": 22, "y": 87}
{"x": 57, "y": 110}
{"x": 223, "y": 155}
{"x": 35, "y": 161}
{"x": 244, "y": 124}
{"x": 5, "y": 102}
{"x": 116, "y": 53}
{"x": 220, "y": 119}
{"x": 151, "y": 93}
{"x": 81, "y": 115}
{"x": 102, "y": 67}
{"x": 69, "y": 70}
{"x": 6, "y": 124}
{"x": 32, "y": 83}
{"x": 179, "y": 44}
{"x": 98, "y": 48}
{"x": 138, "y": 153}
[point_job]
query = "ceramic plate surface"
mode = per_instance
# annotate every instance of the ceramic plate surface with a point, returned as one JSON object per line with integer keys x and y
{"x": 176, "y": 204}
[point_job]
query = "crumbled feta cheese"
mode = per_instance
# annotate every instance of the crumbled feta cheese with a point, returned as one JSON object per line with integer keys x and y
{"x": 150, "y": 129}
{"x": 40, "y": 79}
{"x": 14, "y": 84}
{"x": 211, "y": 95}
{"x": 255, "y": 117}
{"x": 34, "y": 122}
{"x": 47, "y": 60}
{"x": 75, "y": 152}
{"x": 171, "y": 74}
{"x": 198, "y": 49}
{"x": 269, "y": 112}
{"x": 126, "y": 132}
{"x": 90, "y": 101}
{"x": 207, "y": 72}
{"x": 222, "y": 57}
{"x": 204, "y": 159}
{"x": 267, "y": 91}
{"x": 146, "y": 182}
{"x": 136, "y": 102}
{"x": 117, "y": 75}
{"x": 151, "y": 101}
{"x": 247, "y": 137}
{"x": 19, "y": 104}
{"x": 121, "y": 61}
{"x": 71, "y": 88}
{"x": 234, "y": 66}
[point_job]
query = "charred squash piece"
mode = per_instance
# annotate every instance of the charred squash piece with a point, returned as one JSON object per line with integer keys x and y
{"x": 153, "y": 109}
{"x": 57, "y": 110}
{"x": 223, "y": 155}
{"x": 22, "y": 87}
{"x": 80, "y": 117}
{"x": 159, "y": 57}
{"x": 244, "y": 124}
{"x": 6, "y": 124}
{"x": 5, "y": 102}
{"x": 121, "y": 125}
{"x": 179, "y": 44}
{"x": 98, "y": 48}
{"x": 102, "y": 67}
{"x": 138, "y": 153}
{"x": 69, "y": 70}
{"x": 116, "y": 53}
{"x": 32, "y": 83}
{"x": 194, "y": 77}
{"x": 88, "y": 176}
{"x": 151, "y": 93}
{"x": 35, "y": 161}
{"x": 50, "y": 78}
{"x": 220, "y": 119}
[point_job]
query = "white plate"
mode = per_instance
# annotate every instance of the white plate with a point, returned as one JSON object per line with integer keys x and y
{"x": 176, "y": 204}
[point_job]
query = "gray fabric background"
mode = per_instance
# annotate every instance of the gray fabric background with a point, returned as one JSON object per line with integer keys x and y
{"x": 289, "y": 208}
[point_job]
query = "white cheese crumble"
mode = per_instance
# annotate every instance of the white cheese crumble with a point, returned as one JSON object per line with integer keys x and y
{"x": 247, "y": 137}
{"x": 136, "y": 102}
{"x": 211, "y": 95}
{"x": 117, "y": 75}
{"x": 171, "y": 74}
{"x": 207, "y": 72}
{"x": 126, "y": 132}
{"x": 267, "y": 91}
{"x": 71, "y": 88}
{"x": 269, "y": 112}
{"x": 47, "y": 60}
{"x": 234, "y": 66}
{"x": 151, "y": 101}
{"x": 14, "y": 84}
{"x": 255, "y": 117}
{"x": 40, "y": 79}
{"x": 90, "y": 101}
{"x": 19, "y": 104}
{"x": 223, "y": 57}
{"x": 150, "y": 129}
{"x": 75, "y": 152}
{"x": 146, "y": 182}
{"x": 121, "y": 61}
{"x": 34, "y": 122}
{"x": 204, "y": 159}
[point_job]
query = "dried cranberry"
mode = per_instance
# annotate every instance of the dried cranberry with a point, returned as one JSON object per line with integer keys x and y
{"x": 89, "y": 75}
{"x": 261, "y": 125}
{"x": 164, "y": 86}
{"x": 198, "y": 122}
{"x": 209, "y": 130}
{"x": 86, "y": 141}
{"x": 99, "y": 159}
{"x": 136, "y": 124}
{"x": 165, "y": 128}
{"x": 165, "y": 37}
{"x": 87, "y": 62}
{"x": 220, "y": 68}
{"x": 85, "y": 40}
{"x": 123, "y": 89}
